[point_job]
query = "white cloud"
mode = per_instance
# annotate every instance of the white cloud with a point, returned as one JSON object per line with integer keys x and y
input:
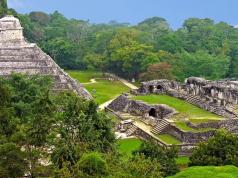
{"x": 15, "y": 4}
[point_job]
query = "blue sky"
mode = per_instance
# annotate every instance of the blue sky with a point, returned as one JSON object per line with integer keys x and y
{"x": 134, "y": 11}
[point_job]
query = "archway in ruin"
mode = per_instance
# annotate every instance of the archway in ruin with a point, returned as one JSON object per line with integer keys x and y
{"x": 159, "y": 87}
{"x": 151, "y": 88}
{"x": 152, "y": 112}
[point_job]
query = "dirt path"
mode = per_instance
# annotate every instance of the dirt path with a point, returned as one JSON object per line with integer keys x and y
{"x": 130, "y": 85}
{"x": 125, "y": 82}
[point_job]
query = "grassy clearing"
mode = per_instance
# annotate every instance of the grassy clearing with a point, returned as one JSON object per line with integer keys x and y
{"x": 169, "y": 139}
{"x": 106, "y": 90}
{"x": 208, "y": 172}
{"x": 85, "y": 76}
{"x": 103, "y": 90}
{"x": 127, "y": 146}
{"x": 182, "y": 160}
{"x": 184, "y": 127}
{"x": 194, "y": 113}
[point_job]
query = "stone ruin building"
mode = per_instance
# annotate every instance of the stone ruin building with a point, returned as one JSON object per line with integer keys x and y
{"x": 219, "y": 97}
{"x": 19, "y": 56}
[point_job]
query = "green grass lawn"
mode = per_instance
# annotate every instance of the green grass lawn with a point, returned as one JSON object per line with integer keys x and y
{"x": 106, "y": 90}
{"x": 169, "y": 139}
{"x": 208, "y": 172}
{"x": 84, "y": 76}
{"x": 193, "y": 113}
{"x": 127, "y": 146}
{"x": 182, "y": 160}
{"x": 103, "y": 90}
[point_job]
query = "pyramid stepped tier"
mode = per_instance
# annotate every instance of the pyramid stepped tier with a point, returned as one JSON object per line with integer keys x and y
{"x": 18, "y": 56}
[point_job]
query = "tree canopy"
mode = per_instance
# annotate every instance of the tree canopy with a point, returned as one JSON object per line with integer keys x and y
{"x": 200, "y": 48}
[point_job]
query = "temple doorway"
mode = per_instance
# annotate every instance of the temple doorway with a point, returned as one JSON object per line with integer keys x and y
{"x": 152, "y": 112}
{"x": 151, "y": 88}
{"x": 159, "y": 87}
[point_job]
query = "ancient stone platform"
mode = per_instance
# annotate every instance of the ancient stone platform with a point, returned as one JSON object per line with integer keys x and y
{"x": 19, "y": 56}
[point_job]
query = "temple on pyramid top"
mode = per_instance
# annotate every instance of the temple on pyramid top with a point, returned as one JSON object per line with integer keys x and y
{"x": 19, "y": 56}
{"x": 11, "y": 32}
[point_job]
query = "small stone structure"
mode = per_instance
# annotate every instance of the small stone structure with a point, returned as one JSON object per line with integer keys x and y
{"x": 19, "y": 56}
{"x": 219, "y": 97}
{"x": 157, "y": 117}
{"x": 138, "y": 108}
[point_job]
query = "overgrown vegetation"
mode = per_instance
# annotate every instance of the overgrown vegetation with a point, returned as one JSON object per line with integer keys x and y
{"x": 220, "y": 150}
{"x": 164, "y": 155}
{"x": 148, "y": 50}
{"x": 39, "y": 127}
{"x": 208, "y": 172}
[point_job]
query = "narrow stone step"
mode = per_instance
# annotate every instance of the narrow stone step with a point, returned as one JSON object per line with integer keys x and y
{"x": 131, "y": 131}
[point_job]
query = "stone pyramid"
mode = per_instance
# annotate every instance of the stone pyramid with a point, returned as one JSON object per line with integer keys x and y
{"x": 19, "y": 56}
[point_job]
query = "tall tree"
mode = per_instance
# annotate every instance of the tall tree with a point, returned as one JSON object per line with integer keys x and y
{"x": 3, "y": 8}
{"x": 222, "y": 149}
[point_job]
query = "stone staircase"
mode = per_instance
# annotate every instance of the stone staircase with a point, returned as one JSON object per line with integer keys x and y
{"x": 196, "y": 100}
{"x": 202, "y": 103}
{"x": 131, "y": 130}
{"x": 232, "y": 108}
{"x": 126, "y": 116}
{"x": 160, "y": 127}
{"x": 31, "y": 60}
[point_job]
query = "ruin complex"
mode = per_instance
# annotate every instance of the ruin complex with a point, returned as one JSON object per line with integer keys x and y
{"x": 148, "y": 121}
{"x": 219, "y": 97}
{"x": 19, "y": 56}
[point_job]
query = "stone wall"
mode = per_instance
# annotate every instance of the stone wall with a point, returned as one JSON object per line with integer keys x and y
{"x": 184, "y": 148}
{"x": 188, "y": 137}
{"x": 230, "y": 125}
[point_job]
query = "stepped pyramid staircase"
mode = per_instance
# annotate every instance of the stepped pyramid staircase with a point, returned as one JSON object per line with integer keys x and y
{"x": 131, "y": 131}
{"x": 197, "y": 101}
{"x": 202, "y": 103}
{"x": 19, "y": 56}
{"x": 160, "y": 127}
